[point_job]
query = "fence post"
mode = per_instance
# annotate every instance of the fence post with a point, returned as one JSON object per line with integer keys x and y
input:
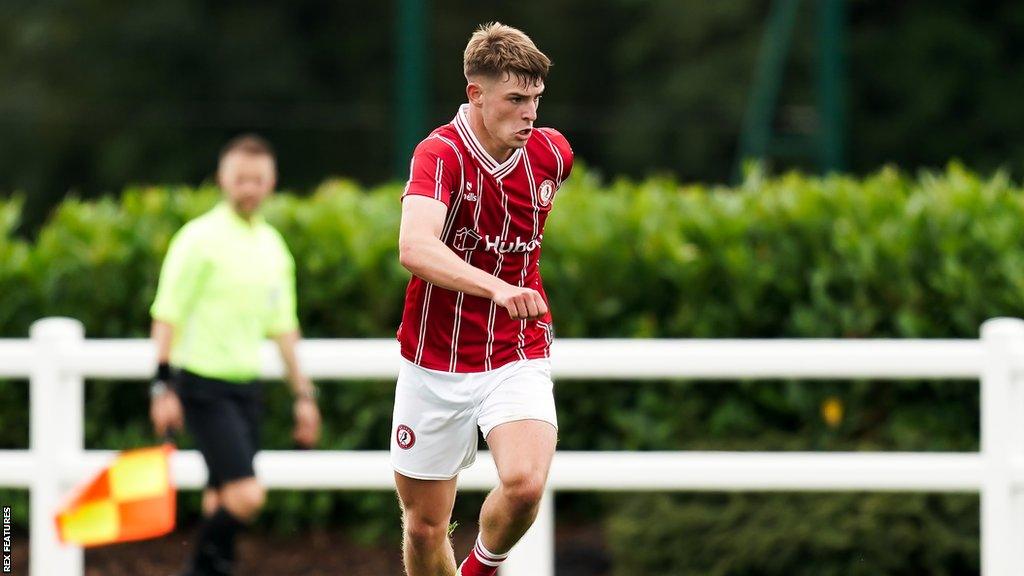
{"x": 56, "y": 431}
{"x": 1002, "y": 338}
{"x": 534, "y": 555}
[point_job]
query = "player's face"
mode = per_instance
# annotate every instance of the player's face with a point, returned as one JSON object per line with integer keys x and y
{"x": 247, "y": 179}
{"x": 508, "y": 107}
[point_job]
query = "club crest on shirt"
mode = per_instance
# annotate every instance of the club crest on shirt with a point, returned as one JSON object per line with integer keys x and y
{"x": 466, "y": 239}
{"x": 546, "y": 192}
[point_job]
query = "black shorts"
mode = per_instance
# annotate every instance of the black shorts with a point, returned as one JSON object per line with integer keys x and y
{"x": 224, "y": 420}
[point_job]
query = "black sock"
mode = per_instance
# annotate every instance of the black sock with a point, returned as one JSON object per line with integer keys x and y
{"x": 215, "y": 545}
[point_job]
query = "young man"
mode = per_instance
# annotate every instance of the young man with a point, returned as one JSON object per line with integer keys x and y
{"x": 228, "y": 281}
{"x": 476, "y": 332}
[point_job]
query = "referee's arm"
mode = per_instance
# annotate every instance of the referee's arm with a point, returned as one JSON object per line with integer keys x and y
{"x": 179, "y": 278}
{"x": 284, "y": 329}
{"x": 302, "y": 387}
{"x": 165, "y": 409}
{"x": 304, "y": 409}
{"x": 162, "y": 334}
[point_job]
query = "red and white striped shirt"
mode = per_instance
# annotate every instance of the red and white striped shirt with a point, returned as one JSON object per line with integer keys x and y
{"x": 495, "y": 221}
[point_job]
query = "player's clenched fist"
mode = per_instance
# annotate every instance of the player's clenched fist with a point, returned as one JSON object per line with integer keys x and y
{"x": 521, "y": 303}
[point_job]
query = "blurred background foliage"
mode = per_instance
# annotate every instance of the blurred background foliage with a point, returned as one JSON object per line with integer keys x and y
{"x": 99, "y": 95}
{"x": 930, "y": 255}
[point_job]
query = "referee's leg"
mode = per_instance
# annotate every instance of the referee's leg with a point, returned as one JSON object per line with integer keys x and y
{"x": 426, "y": 510}
{"x": 243, "y": 498}
{"x": 225, "y": 432}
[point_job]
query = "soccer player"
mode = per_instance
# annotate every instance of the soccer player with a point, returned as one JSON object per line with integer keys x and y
{"x": 476, "y": 332}
{"x": 228, "y": 281}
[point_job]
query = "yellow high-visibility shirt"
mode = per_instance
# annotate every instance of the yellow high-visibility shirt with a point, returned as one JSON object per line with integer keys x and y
{"x": 226, "y": 284}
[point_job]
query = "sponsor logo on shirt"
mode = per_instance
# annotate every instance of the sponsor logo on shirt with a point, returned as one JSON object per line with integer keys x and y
{"x": 467, "y": 239}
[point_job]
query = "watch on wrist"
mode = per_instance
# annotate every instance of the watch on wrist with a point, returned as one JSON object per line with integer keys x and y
{"x": 158, "y": 389}
{"x": 163, "y": 381}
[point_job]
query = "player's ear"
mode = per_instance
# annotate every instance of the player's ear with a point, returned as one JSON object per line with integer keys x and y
{"x": 475, "y": 93}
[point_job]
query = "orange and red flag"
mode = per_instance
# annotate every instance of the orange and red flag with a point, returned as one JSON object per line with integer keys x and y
{"x": 132, "y": 499}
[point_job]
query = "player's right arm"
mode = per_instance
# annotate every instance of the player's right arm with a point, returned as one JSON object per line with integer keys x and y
{"x": 424, "y": 207}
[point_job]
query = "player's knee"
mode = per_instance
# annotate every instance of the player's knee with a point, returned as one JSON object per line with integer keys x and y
{"x": 524, "y": 491}
{"x": 423, "y": 533}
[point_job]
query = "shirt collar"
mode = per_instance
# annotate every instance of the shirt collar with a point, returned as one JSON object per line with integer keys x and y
{"x": 228, "y": 214}
{"x": 493, "y": 167}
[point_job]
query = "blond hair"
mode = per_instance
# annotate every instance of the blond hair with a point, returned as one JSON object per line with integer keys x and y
{"x": 495, "y": 50}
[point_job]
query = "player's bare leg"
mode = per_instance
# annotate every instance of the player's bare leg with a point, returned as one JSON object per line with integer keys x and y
{"x": 522, "y": 453}
{"x": 426, "y": 511}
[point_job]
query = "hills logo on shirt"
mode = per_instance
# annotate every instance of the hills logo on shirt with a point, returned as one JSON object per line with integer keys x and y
{"x": 467, "y": 239}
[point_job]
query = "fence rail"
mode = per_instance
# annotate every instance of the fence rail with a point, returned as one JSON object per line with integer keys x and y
{"x": 57, "y": 358}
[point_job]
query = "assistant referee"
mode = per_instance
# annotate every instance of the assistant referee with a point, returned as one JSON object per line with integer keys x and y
{"x": 227, "y": 283}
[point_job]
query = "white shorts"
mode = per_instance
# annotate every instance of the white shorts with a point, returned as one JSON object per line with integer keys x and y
{"x": 433, "y": 431}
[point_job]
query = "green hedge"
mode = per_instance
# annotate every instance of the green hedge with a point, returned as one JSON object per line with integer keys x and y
{"x": 796, "y": 535}
{"x": 890, "y": 255}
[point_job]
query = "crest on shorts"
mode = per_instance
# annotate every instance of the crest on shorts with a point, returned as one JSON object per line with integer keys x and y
{"x": 405, "y": 437}
{"x": 547, "y": 192}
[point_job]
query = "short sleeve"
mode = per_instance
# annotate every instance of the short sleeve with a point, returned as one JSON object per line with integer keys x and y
{"x": 433, "y": 171}
{"x": 180, "y": 277}
{"x": 284, "y": 316}
{"x": 560, "y": 146}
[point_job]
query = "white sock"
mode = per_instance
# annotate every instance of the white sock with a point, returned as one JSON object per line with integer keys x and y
{"x": 485, "y": 556}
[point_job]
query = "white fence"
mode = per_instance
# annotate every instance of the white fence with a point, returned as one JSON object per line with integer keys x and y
{"x": 57, "y": 358}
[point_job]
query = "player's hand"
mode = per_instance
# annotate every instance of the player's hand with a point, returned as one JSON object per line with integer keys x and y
{"x": 307, "y": 422}
{"x": 166, "y": 413}
{"x": 521, "y": 303}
